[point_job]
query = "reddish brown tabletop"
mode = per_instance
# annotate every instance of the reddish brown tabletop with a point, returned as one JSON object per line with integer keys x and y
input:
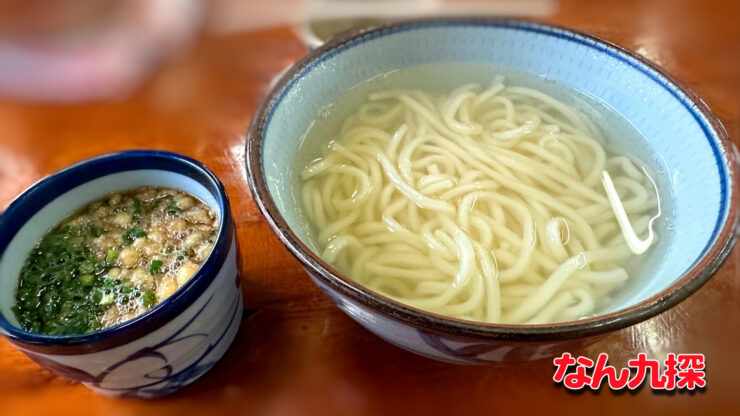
{"x": 297, "y": 353}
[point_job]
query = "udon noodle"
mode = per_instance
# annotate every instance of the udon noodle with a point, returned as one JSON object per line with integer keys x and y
{"x": 485, "y": 204}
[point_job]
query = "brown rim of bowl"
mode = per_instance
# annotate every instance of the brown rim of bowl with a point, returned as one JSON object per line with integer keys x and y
{"x": 430, "y": 322}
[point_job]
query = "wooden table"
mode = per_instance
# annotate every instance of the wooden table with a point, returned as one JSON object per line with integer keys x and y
{"x": 298, "y": 353}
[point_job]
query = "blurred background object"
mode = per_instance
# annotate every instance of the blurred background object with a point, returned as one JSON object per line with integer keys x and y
{"x": 77, "y": 50}
{"x": 317, "y": 21}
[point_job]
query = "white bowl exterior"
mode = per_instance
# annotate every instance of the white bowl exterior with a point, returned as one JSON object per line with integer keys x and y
{"x": 664, "y": 116}
{"x": 444, "y": 348}
{"x": 178, "y": 352}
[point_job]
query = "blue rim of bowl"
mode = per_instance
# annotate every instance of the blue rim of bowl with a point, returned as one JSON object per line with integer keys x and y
{"x": 716, "y": 251}
{"x": 26, "y": 205}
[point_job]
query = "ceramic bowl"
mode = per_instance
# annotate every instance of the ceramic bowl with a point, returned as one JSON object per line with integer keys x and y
{"x": 699, "y": 170}
{"x": 155, "y": 353}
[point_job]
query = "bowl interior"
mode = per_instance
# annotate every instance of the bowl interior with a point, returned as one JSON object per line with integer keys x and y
{"x": 692, "y": 176}
{"x": 70, "y": 201}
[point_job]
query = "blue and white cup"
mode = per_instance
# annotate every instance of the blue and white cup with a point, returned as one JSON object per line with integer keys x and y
{"x": 158, "y": 352}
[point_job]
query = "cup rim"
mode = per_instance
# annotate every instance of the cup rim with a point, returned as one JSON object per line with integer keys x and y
{"x": 717, "y": 250}
{"x": 46, "y": 190}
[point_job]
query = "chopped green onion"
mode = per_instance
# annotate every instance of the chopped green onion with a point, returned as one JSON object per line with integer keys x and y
{"x": 149, "y": 299}
{"x": 155, "y": 267}
{"x": 96, "y": 231}
{"x": 111, "y": 258}
{"x": 132, "y": 234}
{"x": 86, "y": 267}
{"x": 172, "y": 207}
{"x": 87, "y": 279}
{"x": 107, "y": 299}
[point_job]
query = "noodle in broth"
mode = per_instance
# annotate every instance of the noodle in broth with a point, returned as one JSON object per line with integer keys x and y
{"x": 484, "y": 204}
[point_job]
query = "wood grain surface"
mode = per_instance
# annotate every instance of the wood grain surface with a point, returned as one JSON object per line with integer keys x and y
{"x": 297, "y": 353}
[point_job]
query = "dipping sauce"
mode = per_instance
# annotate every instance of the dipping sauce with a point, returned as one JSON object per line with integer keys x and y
{"x": 113, "y": 260}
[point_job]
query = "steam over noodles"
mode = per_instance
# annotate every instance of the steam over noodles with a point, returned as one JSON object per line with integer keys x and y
{"x": 486, "y": 204}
